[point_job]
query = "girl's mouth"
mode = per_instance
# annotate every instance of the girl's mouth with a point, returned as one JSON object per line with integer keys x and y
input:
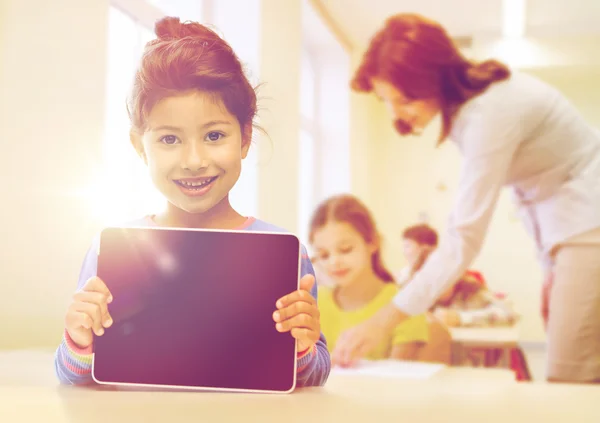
{"x": 339, "y": 273}
{"x": 195, "y": 187}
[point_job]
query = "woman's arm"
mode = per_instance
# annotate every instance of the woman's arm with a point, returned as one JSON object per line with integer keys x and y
{"x": 488, "y": 145}
{"x": 403, "y": 276}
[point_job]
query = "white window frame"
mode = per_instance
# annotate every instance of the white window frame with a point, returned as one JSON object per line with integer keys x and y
{"x": 141, "y": 11}
{"x": 310, "y": 125}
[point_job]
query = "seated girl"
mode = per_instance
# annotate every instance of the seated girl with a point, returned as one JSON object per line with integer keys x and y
{"x": 347, "y": 250}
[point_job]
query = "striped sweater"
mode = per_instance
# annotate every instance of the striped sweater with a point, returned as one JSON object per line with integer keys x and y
{"x": 73, "y": 365}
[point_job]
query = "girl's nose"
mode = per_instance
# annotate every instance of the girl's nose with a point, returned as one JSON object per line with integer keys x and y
{"x": 335, "y": 260}
{"x": 194, "y": 157}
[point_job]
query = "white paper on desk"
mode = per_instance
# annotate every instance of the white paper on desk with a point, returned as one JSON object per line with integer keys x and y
{"x": 391, "y": 369}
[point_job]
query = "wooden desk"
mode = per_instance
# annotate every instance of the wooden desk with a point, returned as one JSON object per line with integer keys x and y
{"x": 503, "y": 338}
{"x": 35, "y": 368}
{"x": 499, "y": 337}
{"x": 454, "y": 395}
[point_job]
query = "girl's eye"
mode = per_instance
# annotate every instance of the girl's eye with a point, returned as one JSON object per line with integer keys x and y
{"x": 345, "y": 250}
{"x": 214, "y": 136}
{"x": 169, "y": 139}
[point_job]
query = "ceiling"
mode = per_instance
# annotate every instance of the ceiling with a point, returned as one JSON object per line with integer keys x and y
{"x": 358, "y": 20}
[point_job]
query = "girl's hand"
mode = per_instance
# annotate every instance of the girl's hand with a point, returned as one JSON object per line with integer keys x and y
{"x": 89, "y": 312}
{"x": 298, "y": 313}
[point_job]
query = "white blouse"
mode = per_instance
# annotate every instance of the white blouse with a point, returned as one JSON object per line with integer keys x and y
{"x": 524, "y": 134}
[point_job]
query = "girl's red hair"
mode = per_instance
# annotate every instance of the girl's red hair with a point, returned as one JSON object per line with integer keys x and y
{"x": 349, "y": 209}
{"x": 185, "y": 57}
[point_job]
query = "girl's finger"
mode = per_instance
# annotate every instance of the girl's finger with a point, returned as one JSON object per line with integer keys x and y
{"x": 76, "y": 319}
{"x": 302, "y": 294}
{"x": 95, "y": 284}
{"x": 93, "y": 311}
{"x": 98, "y": 299}
{"x": 302, "y": 320}
{"x": 294, "y": 309}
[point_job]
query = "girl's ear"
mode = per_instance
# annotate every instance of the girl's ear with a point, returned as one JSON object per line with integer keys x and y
{"x": 375, "y": 245}
{"x": 246, "y": 139}
{"x": 136, "y": 141}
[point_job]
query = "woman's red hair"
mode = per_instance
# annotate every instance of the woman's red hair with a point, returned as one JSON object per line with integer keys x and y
{"x": 349, "y": 209}
{"x": 188, "y": 56}
{"x": 419, "y": 58}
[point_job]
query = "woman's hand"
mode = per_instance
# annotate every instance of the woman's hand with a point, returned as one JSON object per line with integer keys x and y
{"x": 298, "y": 313}
{"x": 88, "y": 313}
{"x": 545, "y": 300}
{"x": 448, "y": 317}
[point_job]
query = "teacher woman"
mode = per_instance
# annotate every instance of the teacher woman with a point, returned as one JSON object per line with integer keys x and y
{"x": 512, "y": 130}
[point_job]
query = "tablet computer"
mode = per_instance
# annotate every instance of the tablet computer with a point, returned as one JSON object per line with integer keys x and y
{"x": 192, "y": 309}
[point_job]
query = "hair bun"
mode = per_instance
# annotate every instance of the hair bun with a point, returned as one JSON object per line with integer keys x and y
{"x": 169, "y": 28}
{"x": 494, "y": 69}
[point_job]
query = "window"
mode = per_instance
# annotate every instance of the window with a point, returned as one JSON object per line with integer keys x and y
{"x": 242, "y": 31}
{"x": 186, "y": 9}
{"x": 333, "y": 124}
{"x": 306, "y": 183}
{"x": 127, "y": 192}
{"x": 307, "y": 89}
{"x": 324, "y": 148}
{"x": 308, "y": 136}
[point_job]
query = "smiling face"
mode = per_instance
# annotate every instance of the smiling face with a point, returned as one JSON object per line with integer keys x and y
{"x": 342, "y": 253}
{"x": 193, "y": 148}
{"x": 410, "y": 116}
{"x": 412, "y": 251}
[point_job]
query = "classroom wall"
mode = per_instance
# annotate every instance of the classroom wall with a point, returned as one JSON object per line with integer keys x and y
{"x": 52, "y": 120}
{"x": 364, "y": 138}
{"x": 410, "y": 178}
{"x": 280, "y": 69}
{"x": 52, "y": 81}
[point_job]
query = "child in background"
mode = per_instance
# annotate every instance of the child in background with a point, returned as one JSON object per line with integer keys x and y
{"x": 416, "y": 242}
{"x": 347, "y": 246}
{"x": 468, "y": 302}
{"x": 191, "y": 111}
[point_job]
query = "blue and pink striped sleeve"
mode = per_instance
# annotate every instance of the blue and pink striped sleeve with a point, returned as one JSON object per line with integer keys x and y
{"x": 73, "y": 365}
{"x": 314, "y": 364}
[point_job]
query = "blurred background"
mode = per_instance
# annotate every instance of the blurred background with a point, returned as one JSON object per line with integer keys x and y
{"x": 66, "y": 67}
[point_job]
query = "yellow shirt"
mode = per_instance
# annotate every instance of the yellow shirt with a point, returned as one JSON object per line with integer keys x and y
{"x": 334, "y": 321}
